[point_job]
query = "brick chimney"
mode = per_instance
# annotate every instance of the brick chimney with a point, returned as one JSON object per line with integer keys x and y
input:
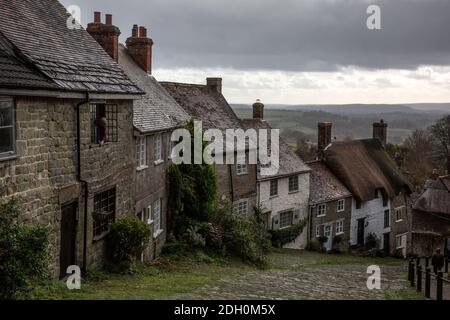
{"x": 140, "y": 47}
{"x": 380, "y": 131}
{"x": 106, "y": 34}
{"x": 434, "y": 175}
{"x": 324, "y": 135}
{"x": 258, "y": 110}
{"x": 214, "y": 84}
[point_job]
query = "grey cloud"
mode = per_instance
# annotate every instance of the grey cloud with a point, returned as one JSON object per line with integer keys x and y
{"x": 295, "y": 35}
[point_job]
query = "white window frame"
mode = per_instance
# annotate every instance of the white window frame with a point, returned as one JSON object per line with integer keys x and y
{"x": 275, "y": 181}
{"x": 321, "y": 210}
{"x": 240, "y": 207}
{"x": 401, "y": 237}
{"x": 169, "y": 148}
{"x": 400, "y": 211}
{"x": 157, "y": 149}
{"x": 340, "y": 205}
{"x": 292, "y": 219}
{"x": 339, "y": 227}
{"x": 241, "y": 169}
{"x": 296, "y": 183}
{"x": 387, "y": 211}
{"x": 11, "y": 153}
{"x": 156, "y": 216}
{"x": 141, "y": 152}
{"x": 318, "y": 231}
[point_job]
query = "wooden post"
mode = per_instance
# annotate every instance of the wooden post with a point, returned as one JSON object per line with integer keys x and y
{"x": 419, "y": 278}
{"x": 412, "y": 275}
{"x": 427, "y": 282}
{"x": 410, "y": 269}
{"x": 439, "y": 286}
{"x": 427, "y": 262}
{"x": 446, "y": 265}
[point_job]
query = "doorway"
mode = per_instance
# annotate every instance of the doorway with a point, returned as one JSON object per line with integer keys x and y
{"x": 361, "y": 231}
{"x": 68, "y": 237}
{"x": 327, "y": 232}
{"x": 387, "y": 244}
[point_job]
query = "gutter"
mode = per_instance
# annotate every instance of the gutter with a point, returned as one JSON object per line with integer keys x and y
{"x": 83, "y": 182}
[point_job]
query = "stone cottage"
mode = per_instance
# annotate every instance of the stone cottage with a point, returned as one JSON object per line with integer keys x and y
{"x": 156, "y": 114}
{"x": 430, "y": 225}
{"x": 282, "y": 196}
{"x": 236, "y": 183}
{"x": 330, "y": 208}
{"x": 380, "y": 191}
{"x": 66, "y": 144}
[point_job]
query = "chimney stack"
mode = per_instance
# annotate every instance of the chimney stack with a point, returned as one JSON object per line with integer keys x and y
{"x": 434, "y": 175}
{"x": 380, "y": 131}
{"x": 324, "y": 135}
{"x": 258, "y": 110}
{"x": 214, "y": 84}
{"x": 140, "y": 47}
{"x": 106, "y": 34}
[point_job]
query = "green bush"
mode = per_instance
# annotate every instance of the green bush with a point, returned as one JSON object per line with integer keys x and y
{"x": 315, "y": 245}
{"x": 287, "y": 235}
{"x": 127, "y": 239}
{"x": 371, "y": 241}
{"x": 24, "y": 252}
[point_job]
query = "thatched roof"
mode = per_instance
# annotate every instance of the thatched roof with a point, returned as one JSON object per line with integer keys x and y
{"x": 435, "y": 198}
{"x": 364, "y": 167}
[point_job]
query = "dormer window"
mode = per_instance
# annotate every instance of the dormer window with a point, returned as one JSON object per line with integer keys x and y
{"x": 104, "y": 125}
{"x": 7, "y": 128}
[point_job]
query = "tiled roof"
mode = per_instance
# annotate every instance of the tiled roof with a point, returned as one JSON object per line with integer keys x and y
{"x": 156, "y": 110}
{"x": 15, "y": 73}
{"x": 290, "y": 163}
{"x": 71, "y": 58}
{"x": 364, "y": 166}
{"x": 204, "y": 104}
{"x": 324, "y": 185}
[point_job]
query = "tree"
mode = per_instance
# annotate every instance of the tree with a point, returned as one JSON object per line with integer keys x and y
{"x": 419, "y": 156}
{"x": 441, "y": 135}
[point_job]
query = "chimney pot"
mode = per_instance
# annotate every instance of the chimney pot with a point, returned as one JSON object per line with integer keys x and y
{"x": 380, "y": 131}
{"x": 135, "y": 31}
{"x": 97, "y": 17}
{"x": 140, "y": 47}
{"x": 142, "y": 32}
{"x": 258, "y": 110}
{"x": 214, "y": 84}
{"x": 324, "y": 136}
{"x": 109, "y": 19}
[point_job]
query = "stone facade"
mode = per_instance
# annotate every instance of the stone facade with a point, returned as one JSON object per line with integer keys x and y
{"x": 327, "y": 223}
{"x": 44, "y": 173}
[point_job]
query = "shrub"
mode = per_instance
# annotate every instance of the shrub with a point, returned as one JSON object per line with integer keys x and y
{"x": 287, "y": 235}
{"x": 193, "y": 239}
{"x": 23, "y": 252}
{"x": 315, "y": 245}
{"x": 128, "y": 237}
{"x": 371, "y": 241}
{"x": 322, "y": 240}
{"x": 337, "y": 241}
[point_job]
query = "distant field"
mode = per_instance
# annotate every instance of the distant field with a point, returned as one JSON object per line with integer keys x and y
{"x": 294, "y": 124}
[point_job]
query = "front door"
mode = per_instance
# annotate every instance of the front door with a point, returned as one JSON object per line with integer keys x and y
{"x": 387, "y": 244}
{"x": 328, "y": 233}
{"x": 68, "y": 237}
{"x": 361, "y": 226}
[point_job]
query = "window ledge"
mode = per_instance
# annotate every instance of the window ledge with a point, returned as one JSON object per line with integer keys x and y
{"x": 9, "y": 157}
{"x": 294, "y": 192}
{"x": 321, "y": 216}
{"x": 158, "y": 162}
{"x": 100, "y": 237}
{"x": 401, "y": 220}
{"x": 157, "y": 233}
{"x": 141, "y": 168}
{"x": 242, "y": 174}
{"x": 273, "y": 197}
{"x": 339, "y": 234}
{"x": 339, "y": 211}
{"x": 150, "y": 222}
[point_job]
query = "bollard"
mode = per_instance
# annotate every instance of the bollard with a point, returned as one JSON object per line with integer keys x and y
{"x": 427, "y": 282}
{"x": 419, "y": 279}
{"x": 410, "y": 269}
{"x": 427, "y": 262}
{"x": 439, "y": 286}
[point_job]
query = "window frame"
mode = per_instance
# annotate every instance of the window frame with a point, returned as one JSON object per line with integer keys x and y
{"x": 290, "y": 214}
{"x": 387, "y": 219}
{"x": 273, "y": 182}
{"x": 111, "y": 113}
{"x": 401, "y": 237}
{"x": 241, "y": 168}
{"x": 141, "y": 152}
{"x": 110, "y": 217}
{"x": 296, "y": 183}
{"x": 339, "y": 227}
{"x": 318, "y": 231}
{"x": 157, "y": 217}
{"x": 318, "y": 212}
{"x": 398, "y": 211}
{"x": 157, "y": 149}
{"x": 239, "y": 208}
{"x": 10, "y": 154}
{"x": 340, "y": 205}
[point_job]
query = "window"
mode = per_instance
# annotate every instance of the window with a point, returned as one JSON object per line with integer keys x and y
{"x": 156, "y": 214}
{"x": 104, "y": 211}
{"x": 317, "y": 231}
{"x": 400, "y": 241}
{"x": 385, "y": 200}
{"x": 339, "y": 227}
{"x": 158, "y": 148}
{"x": 169, "y": 149}
{"x": 273, "y": 188}
{"x": 387, "y": 218}
{"x": 241, "y": 166}
{"x": 340, "y": 205}
{"x": 399, "y": 214}
{"x": 286, "y": 219}
{"x": 104, "y": 125}
{"x": 241, "y": 207}
{"x": 358, "y": 204}
{"x": 327, "y": 231}
{"x": 7, "y": 128}
{"x": 141, "y": 152}
{"x": 293, "y": 184}
{"x": 321, "y": 210}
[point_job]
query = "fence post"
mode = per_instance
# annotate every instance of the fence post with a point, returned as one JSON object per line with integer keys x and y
{"x": 446, "y": 265}
{"x": 410, "y": 269}
{"x": 439, "y": 286}
{"x": 427, "y": 262}
{"x": 419, "y": 278}
{"x": 412, "y": 274}
{"x": 427, "y": 282}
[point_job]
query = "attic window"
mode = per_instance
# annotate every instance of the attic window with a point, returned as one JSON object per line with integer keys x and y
{"x": 104, "y": 124}
{"x": 7, "y": 128}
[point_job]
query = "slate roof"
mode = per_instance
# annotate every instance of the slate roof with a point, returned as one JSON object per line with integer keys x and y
{"x": 435, "y": 198}
{"x": 204, "y": 104}
{"x": 156, "y": 110}
{"x": 290, "y": 163}
{"x": 364, "y": 166}
{"x": 324, "y": 185}
{"x": 15, "y": 72}
{"x": 71, "y": 58}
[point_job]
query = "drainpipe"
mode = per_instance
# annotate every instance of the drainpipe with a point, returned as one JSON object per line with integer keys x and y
{"x": 83, "y": 182}
{"x": 231, "y": 183}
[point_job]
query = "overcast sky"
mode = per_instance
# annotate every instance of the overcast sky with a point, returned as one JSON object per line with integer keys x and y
{"x": 296, "y": 51}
